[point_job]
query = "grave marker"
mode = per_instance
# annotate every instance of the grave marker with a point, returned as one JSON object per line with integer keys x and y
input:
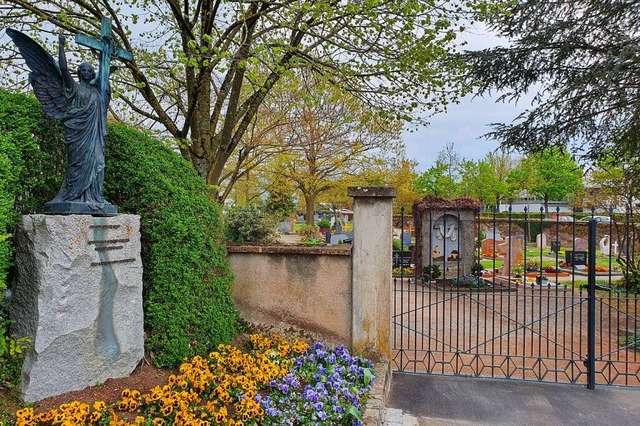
{"x": 489, "y": 247}
{"x": 541, "y": 240}
{"x": 576, "y": 258}
{"x": 580, "y": 244}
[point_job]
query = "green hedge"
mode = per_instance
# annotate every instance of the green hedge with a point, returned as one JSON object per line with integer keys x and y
{"x": 23, "y": 186}
{"x": 187, "y": 301}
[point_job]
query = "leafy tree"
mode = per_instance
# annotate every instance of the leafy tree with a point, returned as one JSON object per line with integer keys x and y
{"x": 451, "y": 158}
{"x": 550, "y": 175}
{"x": 501, "y": 163}
{"x": 249, "y": 189}
{"x": 612, "y": 183}
{"x": 280, "y": 201}
{"x": 581, "y": 56}
{"x": 203, "y": 69}
{"x": 329, "y": 135}
{"x": 479, "y": 180}
{"x": 403, "y": 178}
{"x": 396, "y": 171}
{"x": 436, "y": 181}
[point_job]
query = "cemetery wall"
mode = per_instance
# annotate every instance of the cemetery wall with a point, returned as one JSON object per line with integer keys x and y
{"x": 295, "y": 286}
{"x": 565, "y": 230}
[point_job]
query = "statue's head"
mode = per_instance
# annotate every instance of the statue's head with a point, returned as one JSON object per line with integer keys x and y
{"x": 86, "y": 72}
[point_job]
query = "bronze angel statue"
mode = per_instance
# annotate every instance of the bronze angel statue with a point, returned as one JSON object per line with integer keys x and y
{"x": 82, "y": 107}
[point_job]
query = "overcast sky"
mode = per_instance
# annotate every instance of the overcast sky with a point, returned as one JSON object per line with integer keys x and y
{"x": 464, "y": 123}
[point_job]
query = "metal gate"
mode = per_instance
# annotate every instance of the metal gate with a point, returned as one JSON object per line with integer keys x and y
{"x": 581, "y": 329}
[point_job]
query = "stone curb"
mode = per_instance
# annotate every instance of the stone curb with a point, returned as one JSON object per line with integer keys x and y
{"x": 375, "y": 408}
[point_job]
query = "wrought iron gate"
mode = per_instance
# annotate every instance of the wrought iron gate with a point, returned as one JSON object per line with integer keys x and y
{"x": 552, "y": 329}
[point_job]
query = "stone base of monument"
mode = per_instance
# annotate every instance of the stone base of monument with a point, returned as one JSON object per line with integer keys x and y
{"x": 78, "y": 297}
{"x": 73, "y": 207}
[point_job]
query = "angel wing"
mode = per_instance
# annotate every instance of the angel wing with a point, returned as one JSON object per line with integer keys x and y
{"x": 45, "y": 76}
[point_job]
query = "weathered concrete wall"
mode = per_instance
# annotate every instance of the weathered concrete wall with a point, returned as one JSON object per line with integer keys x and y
{"x": 303, "y": 287}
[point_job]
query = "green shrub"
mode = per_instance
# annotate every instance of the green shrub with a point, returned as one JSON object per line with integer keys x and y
{"x": 188, "y": 305}
{"x": 280, "y": 204}
{"x": 11, "y": 355}
{"x": 187, "y": 301}
{"x": 23, "y": 129}
{"x": 476, "y": 269}
{"x": 308, "y": 232}
{"x": 324, "y": 223}
{"x": 249, "y": 224}
{"x": 431, "y": 272}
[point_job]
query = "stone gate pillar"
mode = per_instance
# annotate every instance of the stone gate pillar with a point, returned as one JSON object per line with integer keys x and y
{"x": 372, "y": 264}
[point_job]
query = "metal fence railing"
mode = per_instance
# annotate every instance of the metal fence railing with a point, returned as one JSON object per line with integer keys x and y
{"x": 519, "y": 297}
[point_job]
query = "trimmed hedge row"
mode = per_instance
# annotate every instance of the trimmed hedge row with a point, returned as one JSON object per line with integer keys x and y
{"x": 187, "y": 300}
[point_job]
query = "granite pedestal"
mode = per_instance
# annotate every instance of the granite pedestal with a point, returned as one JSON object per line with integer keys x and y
{"x": 78, "y": 297}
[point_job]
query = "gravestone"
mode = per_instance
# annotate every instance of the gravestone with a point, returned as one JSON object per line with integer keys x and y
{"x": 614, "y": 246}
{"x": 285, "y": 226}
{"x": 541, "y": 240}
{"x": 349, "y": 238}
{"x": 401, "y": 259}
{"x": 580, "y": 244}
{"x": 445, "y": 238}
{"x": 493, "y": 233}
{"x": 605, "y": 245}
{"x": 78, "y": 298}
{"x": 339, "y": 238}
{"x": 406, "y": 238}
{"x": 78, "y": 283}
{"x": 512, "y": 254}
{"x": 519, "y": 237}
{"x": 489, "y": 246}
{"x": 624, "y": 248}
{"x": 576, "y": 258}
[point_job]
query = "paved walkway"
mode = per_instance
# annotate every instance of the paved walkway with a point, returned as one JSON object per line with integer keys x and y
{"x": 419, "y": 400}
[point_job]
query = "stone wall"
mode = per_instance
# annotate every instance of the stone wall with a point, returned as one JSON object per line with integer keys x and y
{"x": 566, "y": 230}
{"x": 308, "y": 287}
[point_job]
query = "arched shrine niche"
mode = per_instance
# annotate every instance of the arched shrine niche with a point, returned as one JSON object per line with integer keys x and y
{"x": 445, "y": 239}
{"x": 445, "y": 234}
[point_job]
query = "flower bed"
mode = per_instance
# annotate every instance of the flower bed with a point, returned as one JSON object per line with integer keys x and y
{"x": 406, "y": 271}
{"x": 274, "y": 382}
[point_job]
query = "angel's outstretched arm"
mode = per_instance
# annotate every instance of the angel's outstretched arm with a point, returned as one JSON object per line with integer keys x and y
{"x": 62, "y": 61}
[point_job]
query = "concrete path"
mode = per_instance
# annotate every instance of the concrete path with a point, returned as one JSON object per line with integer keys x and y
{"x": 419, "y": 400}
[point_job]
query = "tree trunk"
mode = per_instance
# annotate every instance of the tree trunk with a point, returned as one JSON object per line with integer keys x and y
{"x": 310, "y": 204}
{"x": 546, "y": 206}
